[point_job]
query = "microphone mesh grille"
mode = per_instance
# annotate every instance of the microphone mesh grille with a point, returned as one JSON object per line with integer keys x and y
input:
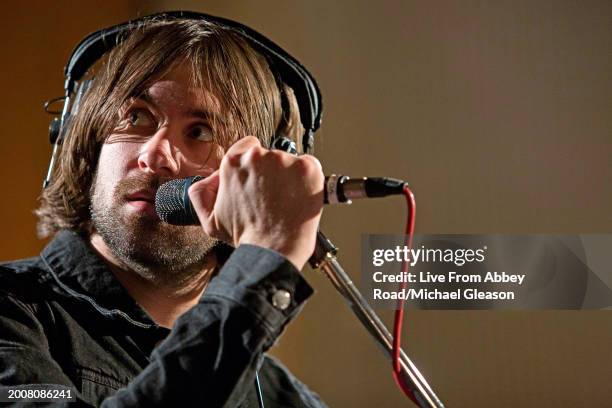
{"x": 172, "y": 202}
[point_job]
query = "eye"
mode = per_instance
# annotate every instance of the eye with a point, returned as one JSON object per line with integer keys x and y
{"x": 201, "y": 132}
{"x": 140, "y": 118}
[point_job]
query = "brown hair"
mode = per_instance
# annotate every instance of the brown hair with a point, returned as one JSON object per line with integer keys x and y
{"x": 221, "y": 60}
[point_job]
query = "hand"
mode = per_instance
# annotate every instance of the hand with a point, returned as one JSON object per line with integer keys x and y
{"x": 262, "y": 197}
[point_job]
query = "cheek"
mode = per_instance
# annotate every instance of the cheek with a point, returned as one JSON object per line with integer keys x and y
{"x": 202, "y": 163}
{"x": 113, "y": 165}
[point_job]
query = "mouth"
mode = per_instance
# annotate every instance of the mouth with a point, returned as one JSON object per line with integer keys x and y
{"x": 142, "y": 195}
{"x": 142, "y": 201}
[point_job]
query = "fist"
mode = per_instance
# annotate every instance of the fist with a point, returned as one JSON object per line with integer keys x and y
{"x": 262, "y": 197}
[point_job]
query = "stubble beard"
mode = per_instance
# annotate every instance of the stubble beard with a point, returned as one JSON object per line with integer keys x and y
{"x": 166, "y": 255}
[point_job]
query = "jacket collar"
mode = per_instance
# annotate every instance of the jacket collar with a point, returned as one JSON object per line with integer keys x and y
{"x": 80, "y": 273}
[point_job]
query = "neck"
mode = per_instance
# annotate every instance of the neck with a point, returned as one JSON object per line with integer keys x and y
{"x": 164, "y": 303}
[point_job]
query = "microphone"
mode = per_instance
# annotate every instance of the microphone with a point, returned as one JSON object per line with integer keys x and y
{"x": 173, "y": 206}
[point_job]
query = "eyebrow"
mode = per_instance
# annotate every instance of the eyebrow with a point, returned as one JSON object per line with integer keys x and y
{"x": 206, "y": 115}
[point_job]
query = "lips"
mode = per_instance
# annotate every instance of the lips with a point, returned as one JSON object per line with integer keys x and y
{"x": 142, "y": 195}
{"x": 142, "y": 202}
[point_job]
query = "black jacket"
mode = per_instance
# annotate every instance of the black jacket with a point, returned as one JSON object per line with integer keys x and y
{"x": 66, "y": 320}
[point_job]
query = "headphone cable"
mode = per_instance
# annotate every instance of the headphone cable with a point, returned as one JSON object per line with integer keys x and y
{"x": 258, "y": 389}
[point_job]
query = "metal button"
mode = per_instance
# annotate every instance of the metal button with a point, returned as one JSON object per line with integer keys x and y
{"x": 281, "y": 299}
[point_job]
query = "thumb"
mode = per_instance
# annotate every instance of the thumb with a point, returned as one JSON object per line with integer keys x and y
{"x": 203, "y": 195}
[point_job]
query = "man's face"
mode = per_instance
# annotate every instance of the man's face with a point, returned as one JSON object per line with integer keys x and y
{"x": 162, "y": 135}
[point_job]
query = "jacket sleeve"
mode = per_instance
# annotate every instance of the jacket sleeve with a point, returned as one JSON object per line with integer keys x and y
{"x": 213, "y": 351}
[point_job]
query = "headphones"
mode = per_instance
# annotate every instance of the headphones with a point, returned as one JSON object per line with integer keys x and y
{"x": 286, "y": 70}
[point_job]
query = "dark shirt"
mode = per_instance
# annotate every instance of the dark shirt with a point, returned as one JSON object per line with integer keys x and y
{"x": 65, "y": 319}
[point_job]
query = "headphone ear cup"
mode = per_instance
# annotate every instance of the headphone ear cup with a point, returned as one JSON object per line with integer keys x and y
{"x": 54, "y": 129}
{"x": 285, "y": 144}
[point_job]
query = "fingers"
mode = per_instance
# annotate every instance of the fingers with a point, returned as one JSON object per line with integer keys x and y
{"x": 244, "y": 144}
{"x": 262, "y": 197}
{"x": 310, "y": 168}
{"x": 248, "y": 151}
{"x": 203, "y": 196}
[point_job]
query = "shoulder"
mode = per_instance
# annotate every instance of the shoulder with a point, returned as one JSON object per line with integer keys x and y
{"x": 281, "y": 386}
{"x": 23, "y": 280}
{"x": 25, "y": 315}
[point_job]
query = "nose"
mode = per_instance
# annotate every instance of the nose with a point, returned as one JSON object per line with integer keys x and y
{"x": 157, "y": 155}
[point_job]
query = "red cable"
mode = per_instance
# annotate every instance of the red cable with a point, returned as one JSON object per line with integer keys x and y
{"x": 399, "y": 312}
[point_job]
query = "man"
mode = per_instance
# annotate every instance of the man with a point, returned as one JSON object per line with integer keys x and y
{"x": 129, "y": 311}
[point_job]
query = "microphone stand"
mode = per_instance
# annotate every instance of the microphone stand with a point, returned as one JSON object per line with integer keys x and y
{"x": 324, "y": 257}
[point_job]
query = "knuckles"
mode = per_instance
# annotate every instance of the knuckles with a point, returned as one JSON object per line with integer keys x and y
{"x": 252, "y": 156}
{"x": 247, "y": 156}
{"x": 311, "y": 165}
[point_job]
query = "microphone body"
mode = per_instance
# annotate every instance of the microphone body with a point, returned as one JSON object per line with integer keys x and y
{"x": 173, "y": 206}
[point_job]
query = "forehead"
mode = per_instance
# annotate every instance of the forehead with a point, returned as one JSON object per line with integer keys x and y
{"x": 178, "y": 91}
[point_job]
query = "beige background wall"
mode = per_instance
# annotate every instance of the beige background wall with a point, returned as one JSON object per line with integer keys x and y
{"x": 498, "y": 113}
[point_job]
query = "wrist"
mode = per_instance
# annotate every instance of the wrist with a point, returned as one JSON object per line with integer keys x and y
{"x": 293, "y": 250}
